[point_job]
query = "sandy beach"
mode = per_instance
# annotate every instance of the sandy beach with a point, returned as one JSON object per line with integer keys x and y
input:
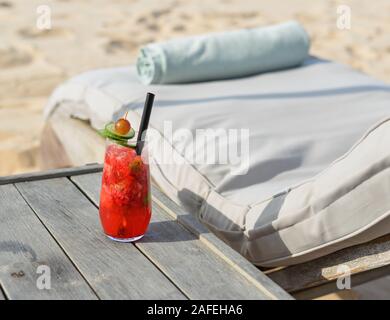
{"x": 89, "y": 35}
{"x": 85, "y": 36}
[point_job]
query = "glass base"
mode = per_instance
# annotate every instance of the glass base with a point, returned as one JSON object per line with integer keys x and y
{"x": 125, "y": 239}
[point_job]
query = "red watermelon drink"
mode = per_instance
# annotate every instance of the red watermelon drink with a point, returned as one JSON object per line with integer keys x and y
{"x": 125, "y": 205}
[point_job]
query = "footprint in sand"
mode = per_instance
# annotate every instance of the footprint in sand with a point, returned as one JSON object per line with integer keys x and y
{"x": 141, "y": 19}
{"x": 116, "y": 45}
{"x": 158, "y": 13}
{"x": 47, "y": 33}
{"x": 147, "y": 23}
{"x": 152, "y": 27}
{"x": 13, "y": 56}
{"x": 184, "y": 16}
{"x": 5, "y": 4}
{"x": 154, "y": 15}
{"x": 179, "y": 27}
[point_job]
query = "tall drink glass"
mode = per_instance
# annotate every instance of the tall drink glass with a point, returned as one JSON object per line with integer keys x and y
{"x": 125, "y": 202}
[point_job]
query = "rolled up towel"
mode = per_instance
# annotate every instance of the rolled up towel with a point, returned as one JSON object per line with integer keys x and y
{"x": 223, "y": 55}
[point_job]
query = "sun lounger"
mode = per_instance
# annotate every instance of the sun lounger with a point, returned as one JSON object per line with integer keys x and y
{"x": 320, "y": 92}
{"x": 308, "y": 280}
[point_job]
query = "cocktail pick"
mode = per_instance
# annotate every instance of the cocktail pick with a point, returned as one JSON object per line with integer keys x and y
{"x": 144, "y": 122}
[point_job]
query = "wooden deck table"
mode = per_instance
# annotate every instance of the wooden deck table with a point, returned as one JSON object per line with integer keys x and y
{"x": 49, "y": 226}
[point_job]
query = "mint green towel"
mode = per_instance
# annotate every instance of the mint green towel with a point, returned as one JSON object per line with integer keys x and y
{"x": 223, "y": 55}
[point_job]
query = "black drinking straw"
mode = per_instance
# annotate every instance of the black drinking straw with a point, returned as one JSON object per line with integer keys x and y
{"x": 144, "y": 122}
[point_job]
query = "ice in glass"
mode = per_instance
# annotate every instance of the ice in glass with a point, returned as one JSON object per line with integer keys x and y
{"x": 125, "y": 204}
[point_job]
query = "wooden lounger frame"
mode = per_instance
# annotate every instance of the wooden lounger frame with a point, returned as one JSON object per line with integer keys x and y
{"x": 71, "y": 142}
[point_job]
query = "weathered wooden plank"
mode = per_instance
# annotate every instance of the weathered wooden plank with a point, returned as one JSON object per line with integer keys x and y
{"x": 114, "y": 270}
{"x": 198, "y": 271}
{"x": 50, "y": 174}
{"x": 378, "y": 289}
{"x": 179, "y": 253}
{"x": 25, "y": 245}
{"x": 360, "y": 259}
{"x": 331, "y": 286}
{"x": 51, "y": 150}
{"x": 232, "y": 257}
{"x": 59, "y": 146}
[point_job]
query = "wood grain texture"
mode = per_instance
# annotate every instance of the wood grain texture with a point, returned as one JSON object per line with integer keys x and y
{"x": 239, "y": 263}
{"x": 52, "y": 154}
{"x": 198, "y": 271}
{"x": 194, "y": 268}
{"x": 356, "y": 280}
{"x": 25, "y": 245}
{"x": 114, "y": 270}
{"x": 50, "y": 174}
{"x": 359, "y": 259}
